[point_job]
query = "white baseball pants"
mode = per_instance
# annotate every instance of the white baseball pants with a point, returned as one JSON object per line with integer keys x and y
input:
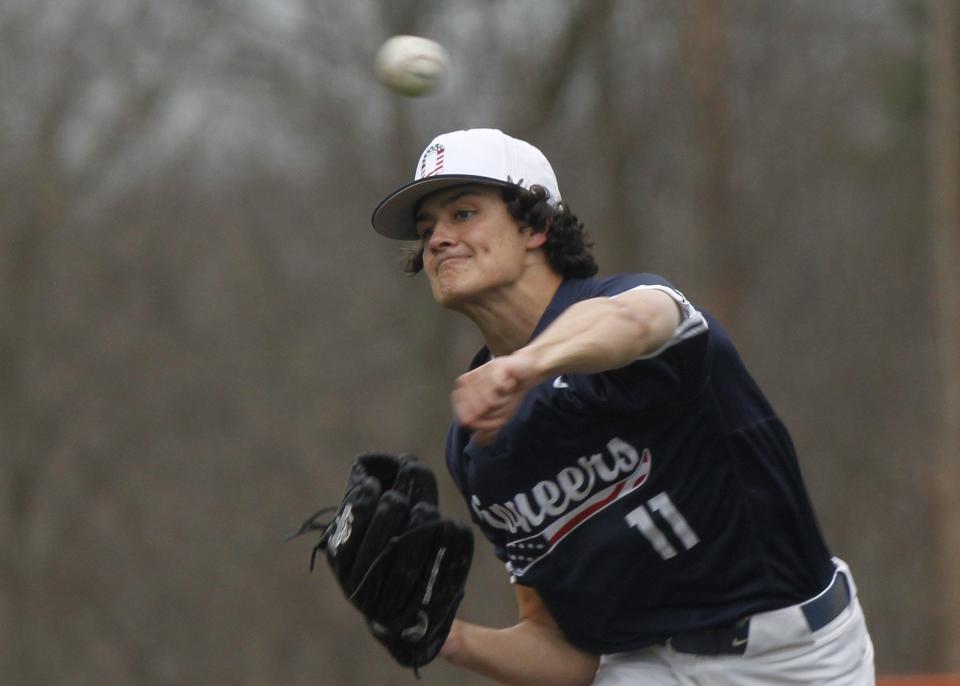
{"x": 780, "y": 650}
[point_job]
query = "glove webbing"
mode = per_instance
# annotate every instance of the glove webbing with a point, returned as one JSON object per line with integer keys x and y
{"x": 310, "y": 524}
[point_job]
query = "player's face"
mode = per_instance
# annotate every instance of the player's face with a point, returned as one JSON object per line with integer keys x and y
{"x": 472, "y": 246}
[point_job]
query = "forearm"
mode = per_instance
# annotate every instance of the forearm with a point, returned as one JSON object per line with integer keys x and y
{"x": 603, "y": 333}
{"x": 592, "y": 336}
{"x": 527, "y": 653}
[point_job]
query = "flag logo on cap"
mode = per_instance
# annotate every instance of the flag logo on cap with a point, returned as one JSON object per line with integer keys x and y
{"x": 432, "y": 161}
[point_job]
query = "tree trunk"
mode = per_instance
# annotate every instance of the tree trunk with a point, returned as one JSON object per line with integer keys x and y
{"x": 718, "y": 254}
{"x": 944, "y": 156}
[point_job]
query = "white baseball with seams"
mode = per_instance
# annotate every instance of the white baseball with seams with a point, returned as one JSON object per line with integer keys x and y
{"x": 412, "y": 65}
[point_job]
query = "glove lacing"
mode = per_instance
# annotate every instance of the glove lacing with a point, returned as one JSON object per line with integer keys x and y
{"x": 311, "y": 524}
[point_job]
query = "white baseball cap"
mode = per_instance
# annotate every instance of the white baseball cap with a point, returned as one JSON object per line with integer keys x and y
{"x": 485, "y": 156}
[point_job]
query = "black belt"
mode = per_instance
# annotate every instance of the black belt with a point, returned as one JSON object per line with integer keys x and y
{"x": 732, "y": 639}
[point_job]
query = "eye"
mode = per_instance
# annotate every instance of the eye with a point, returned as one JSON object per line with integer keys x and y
{"x": 463, "y": 214}
{"x": 425, "y": 233}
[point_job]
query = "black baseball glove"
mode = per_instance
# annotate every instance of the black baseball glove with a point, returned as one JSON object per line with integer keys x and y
{"x": 396, "y": 559}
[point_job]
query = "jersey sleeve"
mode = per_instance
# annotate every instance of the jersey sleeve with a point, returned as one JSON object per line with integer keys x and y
{"x": 676, "y": 370}
{"x": 692, "y": 322}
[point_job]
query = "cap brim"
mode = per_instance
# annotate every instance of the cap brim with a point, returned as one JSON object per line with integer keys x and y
{"x": 393, "y": 217}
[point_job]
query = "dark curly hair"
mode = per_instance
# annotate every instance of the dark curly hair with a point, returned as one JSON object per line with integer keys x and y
{"x": 568, "y": 243}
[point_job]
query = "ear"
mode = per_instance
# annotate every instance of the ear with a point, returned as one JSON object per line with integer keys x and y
{"x": 536, "y": 239}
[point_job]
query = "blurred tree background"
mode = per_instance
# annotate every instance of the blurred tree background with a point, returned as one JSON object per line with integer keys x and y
{"x": 199, "y": 328}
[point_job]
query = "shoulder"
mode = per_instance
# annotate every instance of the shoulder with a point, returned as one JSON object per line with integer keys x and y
{"x": 614, "y": 285}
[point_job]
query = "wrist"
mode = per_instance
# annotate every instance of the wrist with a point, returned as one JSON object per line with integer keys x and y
{"x": 532, "y": 360}
{"x": 452, "y": 647}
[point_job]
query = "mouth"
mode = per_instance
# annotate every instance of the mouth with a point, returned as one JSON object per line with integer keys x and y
{"x": 446, "y": 261}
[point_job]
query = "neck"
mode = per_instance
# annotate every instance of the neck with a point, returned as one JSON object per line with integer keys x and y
{"x": 506, "y": 318}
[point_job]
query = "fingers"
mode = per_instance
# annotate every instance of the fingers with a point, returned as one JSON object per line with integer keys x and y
{"x": 485, "y": 437}
{"x": 416, "y": 481}
{"x": 476, "y": 400}
{"x": 389, "y": 519}
{"x": 486, "y": 398}
{"x": 483, "y": 416}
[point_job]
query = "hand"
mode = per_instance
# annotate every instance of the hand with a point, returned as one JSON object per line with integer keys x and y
{"x": 486, "y": 398}
{"x": 401, "y": 563}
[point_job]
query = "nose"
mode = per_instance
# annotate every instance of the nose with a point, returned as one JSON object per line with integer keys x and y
{"x": 443, "y": 236}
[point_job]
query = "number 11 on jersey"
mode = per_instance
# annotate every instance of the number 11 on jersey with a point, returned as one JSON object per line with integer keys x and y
{"x": 661, "y": 504}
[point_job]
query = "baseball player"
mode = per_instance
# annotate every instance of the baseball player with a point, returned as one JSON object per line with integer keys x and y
{"x": 612, "y": 446}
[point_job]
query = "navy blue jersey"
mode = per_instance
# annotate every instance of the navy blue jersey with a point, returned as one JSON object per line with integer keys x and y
{"x": 650, "y": 500}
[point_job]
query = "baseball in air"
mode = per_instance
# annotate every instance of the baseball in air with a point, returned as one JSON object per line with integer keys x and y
{"x": 412, "y": 65}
